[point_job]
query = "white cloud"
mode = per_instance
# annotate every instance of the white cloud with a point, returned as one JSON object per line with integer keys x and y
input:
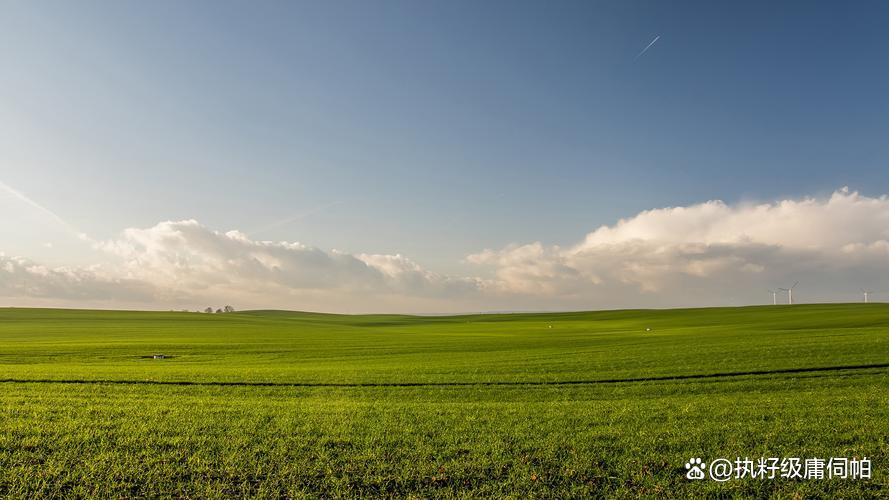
{"x": 703, "y": 254}
{"x": 189, "y": 259}
{"x": 818, "y": 224}
{"x": 21, "y": 277}
{"x": 185, "y": 264}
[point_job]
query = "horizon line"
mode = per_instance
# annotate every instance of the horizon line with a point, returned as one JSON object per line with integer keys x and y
{"x": 443, "y": 314}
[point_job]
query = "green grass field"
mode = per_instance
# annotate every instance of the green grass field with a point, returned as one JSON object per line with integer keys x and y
{"x": 278, "y": 404}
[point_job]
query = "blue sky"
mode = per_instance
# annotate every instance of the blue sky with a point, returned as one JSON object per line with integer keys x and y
{"x": 428, "y": 129}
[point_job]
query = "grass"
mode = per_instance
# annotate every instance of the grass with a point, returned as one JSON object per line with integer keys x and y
{"x": 272, "y": 404}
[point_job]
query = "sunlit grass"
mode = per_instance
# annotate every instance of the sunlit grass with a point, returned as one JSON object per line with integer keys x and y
{"x": 570, "y": 427}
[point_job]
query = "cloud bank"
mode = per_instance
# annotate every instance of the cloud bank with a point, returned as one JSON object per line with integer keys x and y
{"x": 709, "y": 253}
{"x": 704, "y": 254}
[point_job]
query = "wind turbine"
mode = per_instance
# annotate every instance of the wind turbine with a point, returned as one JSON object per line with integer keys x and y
{"x": 866, "y": 293}
{"x": 789, "y": 292}
{"x": 774, "y": 297}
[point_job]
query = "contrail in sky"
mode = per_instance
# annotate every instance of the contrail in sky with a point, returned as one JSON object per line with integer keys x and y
{"x": 296, "y": 217}
{"x": 28, "y": 201}
{"x": 646, "y": 48}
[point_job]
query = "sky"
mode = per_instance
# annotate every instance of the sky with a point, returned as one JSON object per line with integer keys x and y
{"x": 430, "y": 157}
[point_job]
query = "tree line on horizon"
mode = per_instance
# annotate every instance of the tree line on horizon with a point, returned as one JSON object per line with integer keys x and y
{"x": 226, "y": 309}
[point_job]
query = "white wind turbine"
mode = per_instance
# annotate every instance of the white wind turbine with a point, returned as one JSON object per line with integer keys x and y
{"x": 866, "y": 293}
{"x": 774, "y": 297}
{"x": 789, "y": 292}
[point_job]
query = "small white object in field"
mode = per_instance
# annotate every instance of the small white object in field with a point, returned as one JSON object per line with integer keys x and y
{"x": 647, "y": 329}
{"x": 550, "y": 326}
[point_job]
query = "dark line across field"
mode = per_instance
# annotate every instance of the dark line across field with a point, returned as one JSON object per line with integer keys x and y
{"x": 452, "y": 384}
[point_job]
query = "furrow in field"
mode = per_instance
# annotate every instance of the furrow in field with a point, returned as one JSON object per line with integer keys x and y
{"x": 753, "y": 373}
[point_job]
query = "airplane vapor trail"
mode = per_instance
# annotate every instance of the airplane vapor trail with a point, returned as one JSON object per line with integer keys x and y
{"x": 33, "y": 204}
{"x": 647, "y": 47}
{"x": 296, "y": 217}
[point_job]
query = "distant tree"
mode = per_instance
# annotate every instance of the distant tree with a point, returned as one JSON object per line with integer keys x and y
{"x": 208, "y": 310}
{"x": 219, "y": 311}
{"x": 228, "y": 309}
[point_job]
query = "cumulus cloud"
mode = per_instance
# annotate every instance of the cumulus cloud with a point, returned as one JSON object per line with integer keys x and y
{"x": 184, "y": 262}
{"x": 818, "y": 224}
{"x": 20, "y": 277}
{"x": 187, "y": 257}
{"x": 705, "y": 251}
{"x": 703, "y": 254}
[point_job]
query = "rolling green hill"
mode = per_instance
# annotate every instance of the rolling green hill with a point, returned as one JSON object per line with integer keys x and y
{"x": 273, "y": 403}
